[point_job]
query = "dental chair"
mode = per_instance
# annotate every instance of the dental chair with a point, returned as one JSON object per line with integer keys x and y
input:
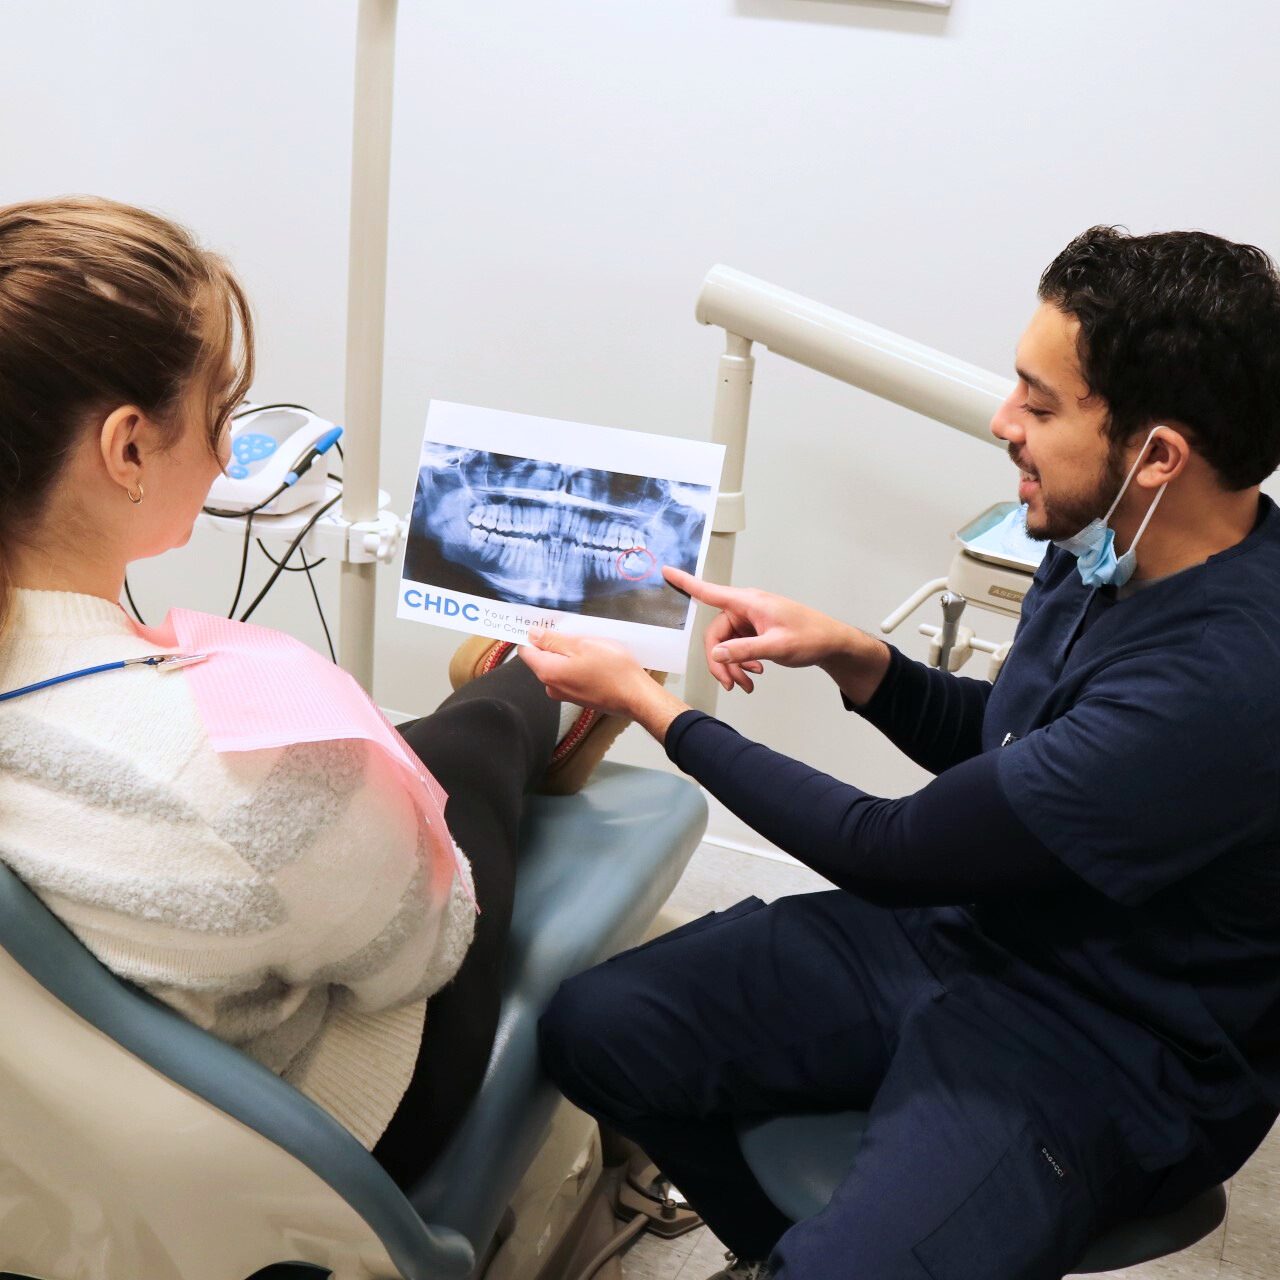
{"x": 134, "y": 1146}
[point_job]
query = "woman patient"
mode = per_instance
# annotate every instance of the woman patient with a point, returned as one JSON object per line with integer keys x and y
{"x": 274, "y": 897}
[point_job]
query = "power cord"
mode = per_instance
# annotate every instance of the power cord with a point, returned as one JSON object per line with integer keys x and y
{"x": 315, "y": 595}
{"x": 262, "y": 408}
{"x": 282, "y": 565}
{"x": 284, "y": 560}
{"x": 306, "y": 568}
{"x": 129, "y": 596}
{"x": 613, "y": 1246}
{"x": 244, "y": 563}
{"x": 290, "y": 568}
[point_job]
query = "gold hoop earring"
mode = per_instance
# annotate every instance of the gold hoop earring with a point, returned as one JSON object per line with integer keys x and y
{"x": 140, "y": 496}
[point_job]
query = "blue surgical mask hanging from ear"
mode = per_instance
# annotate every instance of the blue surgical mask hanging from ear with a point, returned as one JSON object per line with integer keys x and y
{"x": 1094, "y": 546}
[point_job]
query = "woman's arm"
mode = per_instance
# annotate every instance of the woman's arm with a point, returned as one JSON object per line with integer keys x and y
{"x": 384, "y": 926}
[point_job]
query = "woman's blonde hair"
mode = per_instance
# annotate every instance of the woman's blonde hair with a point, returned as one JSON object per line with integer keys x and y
{"x": 102, "y": 305}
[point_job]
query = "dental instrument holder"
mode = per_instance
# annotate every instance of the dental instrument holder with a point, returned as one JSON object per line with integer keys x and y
{"x": 276, "y": 461}
{"x": 375, "y": 541}
{"x": 952, "y": 607}
{"x": 981, "y": 582}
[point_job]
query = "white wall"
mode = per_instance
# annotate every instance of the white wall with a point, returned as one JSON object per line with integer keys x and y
{"x": 565, "y": 173}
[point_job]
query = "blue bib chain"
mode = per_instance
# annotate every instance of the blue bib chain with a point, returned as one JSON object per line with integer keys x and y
{"x": 158, "y": 661}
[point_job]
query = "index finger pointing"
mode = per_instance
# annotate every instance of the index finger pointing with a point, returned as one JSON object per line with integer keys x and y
{"x": 708, "y": 592}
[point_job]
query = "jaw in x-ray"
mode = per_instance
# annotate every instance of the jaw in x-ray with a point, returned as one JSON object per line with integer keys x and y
{"x": 561, "y": 537}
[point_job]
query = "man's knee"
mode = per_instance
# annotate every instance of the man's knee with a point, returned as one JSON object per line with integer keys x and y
{"x": 581, "y": 1041}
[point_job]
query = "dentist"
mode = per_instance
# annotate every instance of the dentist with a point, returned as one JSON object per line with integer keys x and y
{"x": 1052, "y": 975}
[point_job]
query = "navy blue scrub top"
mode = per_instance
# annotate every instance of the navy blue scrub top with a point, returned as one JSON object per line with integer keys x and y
{"x": 1141, "y": 745}
{"x": 1109, "y": 812}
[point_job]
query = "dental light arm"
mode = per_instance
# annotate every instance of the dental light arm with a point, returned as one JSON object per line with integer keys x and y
{"x": 950, "y": 391}
{"x": 959, "y": 395}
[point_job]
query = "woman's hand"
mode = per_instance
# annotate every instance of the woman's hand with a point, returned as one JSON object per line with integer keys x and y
{"x": 601, "y": 674}
{"x": 755, "y": 625}
{"x": 586, "y": 670}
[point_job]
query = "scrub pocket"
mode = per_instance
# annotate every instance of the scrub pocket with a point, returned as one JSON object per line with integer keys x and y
{"x": 1030, "y": 1218}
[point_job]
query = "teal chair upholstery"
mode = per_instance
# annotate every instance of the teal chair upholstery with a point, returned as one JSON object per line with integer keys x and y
{"x": 595, "y": 868}
{"x": 800, "y": 1160}
{"x": 594, "y": 871}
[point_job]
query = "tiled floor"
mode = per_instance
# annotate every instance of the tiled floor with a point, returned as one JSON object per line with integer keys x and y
{"x": 1245, "y": 1247}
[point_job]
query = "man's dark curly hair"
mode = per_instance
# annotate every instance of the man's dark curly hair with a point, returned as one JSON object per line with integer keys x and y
{"x": 1180, "y": 326}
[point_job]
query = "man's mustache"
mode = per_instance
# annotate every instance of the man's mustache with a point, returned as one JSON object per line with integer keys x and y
{"x": 1021, "y": 464}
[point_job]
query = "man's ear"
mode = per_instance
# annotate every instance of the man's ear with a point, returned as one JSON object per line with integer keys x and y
{"x": 1167, "y": 455}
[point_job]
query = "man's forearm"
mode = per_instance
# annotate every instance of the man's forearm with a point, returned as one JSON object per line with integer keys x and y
{"x": 956, "y": 840}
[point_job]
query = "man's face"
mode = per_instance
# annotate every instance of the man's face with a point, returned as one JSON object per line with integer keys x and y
{"x": 1054, "y": 432}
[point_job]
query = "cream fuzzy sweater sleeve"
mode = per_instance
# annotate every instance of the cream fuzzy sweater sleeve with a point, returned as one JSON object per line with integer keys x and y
{"x": 276, "y": 898}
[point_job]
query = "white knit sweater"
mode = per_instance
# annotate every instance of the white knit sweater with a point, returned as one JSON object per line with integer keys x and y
{"x": 276, "y": 898}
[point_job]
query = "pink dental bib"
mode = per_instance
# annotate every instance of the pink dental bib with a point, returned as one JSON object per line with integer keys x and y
{"x": 261, "y": 688}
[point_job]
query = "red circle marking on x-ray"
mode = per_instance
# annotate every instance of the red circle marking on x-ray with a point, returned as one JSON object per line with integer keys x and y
{"x": 636, "y": 577}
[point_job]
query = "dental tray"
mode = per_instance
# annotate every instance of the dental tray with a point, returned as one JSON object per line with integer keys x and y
{"x": 1011, "y": 551}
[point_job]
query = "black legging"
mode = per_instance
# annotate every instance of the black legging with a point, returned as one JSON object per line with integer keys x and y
{"x": 486, "y": 744}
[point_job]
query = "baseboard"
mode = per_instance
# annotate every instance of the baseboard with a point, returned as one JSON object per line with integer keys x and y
{"x": 738, "y": 846}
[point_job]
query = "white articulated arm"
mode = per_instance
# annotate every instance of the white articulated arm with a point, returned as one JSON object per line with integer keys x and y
{"x": 959, "y": 395}
{"x": 951, "y": 391}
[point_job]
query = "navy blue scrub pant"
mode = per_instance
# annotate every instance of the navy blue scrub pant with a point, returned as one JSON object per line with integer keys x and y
{"x": 990, "y": 1154}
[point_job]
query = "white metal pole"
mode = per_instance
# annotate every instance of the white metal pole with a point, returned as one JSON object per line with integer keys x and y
{"x": 729, "y": 428}
{"x": 366, "y": 312}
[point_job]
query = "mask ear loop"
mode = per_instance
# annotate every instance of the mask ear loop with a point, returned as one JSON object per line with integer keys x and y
{"x": 1146, "y": 520}
{"x": 1151, "y": 510}
{"x": 1133, "y": 471}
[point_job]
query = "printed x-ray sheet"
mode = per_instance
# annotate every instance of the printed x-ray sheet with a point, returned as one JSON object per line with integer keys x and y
{"x": 521, "y": 521}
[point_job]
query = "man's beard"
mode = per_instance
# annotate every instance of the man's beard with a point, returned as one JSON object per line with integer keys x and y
{"x": 1065, "y": 516}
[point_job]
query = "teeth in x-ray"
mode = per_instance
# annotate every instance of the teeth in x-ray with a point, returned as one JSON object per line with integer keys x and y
{"x": 550, "y": 534}
{"x": 569, "y": 548}
{"x": 575, "y": 528}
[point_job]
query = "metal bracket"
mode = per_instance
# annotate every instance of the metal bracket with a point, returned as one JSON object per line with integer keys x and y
{"x": 731, "y": 513}
{"x": 376, "y": 540}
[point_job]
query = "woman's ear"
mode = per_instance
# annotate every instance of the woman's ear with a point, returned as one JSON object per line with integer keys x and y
{"x": 120, "y": 441}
